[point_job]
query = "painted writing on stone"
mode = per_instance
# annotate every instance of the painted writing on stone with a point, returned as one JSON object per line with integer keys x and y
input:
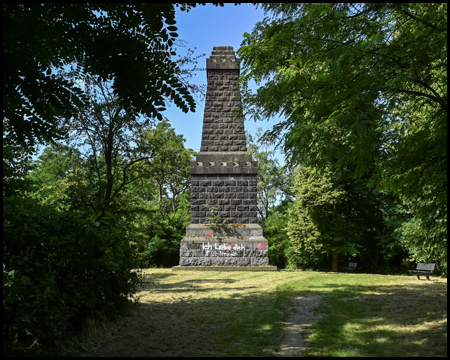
{"x": 226, "y": 250}
{"x": 232, "y": 246}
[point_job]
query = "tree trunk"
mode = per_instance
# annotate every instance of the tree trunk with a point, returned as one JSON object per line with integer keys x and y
{"x": 160, "y": 193}
{"x": 376, "y": 257}
{"x": 334, "y": 261}
{"x": 109, "y": 174}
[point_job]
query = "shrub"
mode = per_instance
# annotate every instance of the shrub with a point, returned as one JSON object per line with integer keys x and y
{"x": 59, "y": 268}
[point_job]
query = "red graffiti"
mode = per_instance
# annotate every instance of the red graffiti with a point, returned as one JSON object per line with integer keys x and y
{"x": 210, "y": 233}
{"x": 262, "y": 246}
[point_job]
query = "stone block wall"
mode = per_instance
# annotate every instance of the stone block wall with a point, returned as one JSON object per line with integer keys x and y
{"x": 224, "y": 176}
{"x": 237, "y": 245}
{"x": 210, "y": 253}
{"x": 234, "y": 196}
{"x": 223, "y": 126}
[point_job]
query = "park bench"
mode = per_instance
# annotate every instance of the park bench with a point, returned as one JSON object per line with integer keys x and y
{"x": 351, "y": 266}
{"x": 423, "y": 269}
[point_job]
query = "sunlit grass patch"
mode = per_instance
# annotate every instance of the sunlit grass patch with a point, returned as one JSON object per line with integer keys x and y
{"x": 408, "y": 319}
{"x": 244, "y": 314}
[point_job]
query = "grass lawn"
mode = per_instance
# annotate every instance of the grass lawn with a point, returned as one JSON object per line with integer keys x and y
{"x": 244, "y": 314}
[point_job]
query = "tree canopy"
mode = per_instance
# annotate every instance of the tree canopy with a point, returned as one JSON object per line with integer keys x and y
{"x": 129, "y": 44}
{"x": 361, "y": 86}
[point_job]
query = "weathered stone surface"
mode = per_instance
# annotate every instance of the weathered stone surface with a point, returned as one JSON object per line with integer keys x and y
{"x": 204, "y": 246}
{"x": 233, "y": 231}
{"x": 224, "y": 176}
{"x": 223, "y": 170}
{"x": 222, "y": 111}
{"x": 233, "y": 196}
{"x": 224, "y": 268}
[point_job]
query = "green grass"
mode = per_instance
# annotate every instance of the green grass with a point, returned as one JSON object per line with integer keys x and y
{"x": 244, "y": 314}
{"x": 377, "y": 315}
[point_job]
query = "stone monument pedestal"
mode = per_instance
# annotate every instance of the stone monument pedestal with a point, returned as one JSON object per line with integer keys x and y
{"x": 231, "y": 245}
{"x": 224, "y": 268}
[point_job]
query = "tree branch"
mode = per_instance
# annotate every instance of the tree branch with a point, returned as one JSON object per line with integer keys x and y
{"x": 418, "y": 93}
{"x": 124, "y": 181}
{"x": 360, "y": 13}
{"x": 407, "y": 13}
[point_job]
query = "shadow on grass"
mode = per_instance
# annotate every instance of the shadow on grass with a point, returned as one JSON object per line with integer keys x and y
{"x": 196, "y": 317}
{"x": 246, "y": 325}
{"x": 198, "y": 285}
{"x": 153, "y": 276}
{"x": 391, "y": 320}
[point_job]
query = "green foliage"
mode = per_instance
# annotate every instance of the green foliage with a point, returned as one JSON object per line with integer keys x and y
{"x": 153, "y": 209}
{"x": 275, "y": 231}
{"x": 73, "y": 218}
{"x": 273, "y": 180}
{"x": 16, "y": 164}
{"x": 111, "y": 151}
{"x": 97, "y": 215}
{"x": 50, "y": 174}
{"x": 155, "y": 233}
{"x": 168, "y": 165}
{"x": 158, "y": 243}
{"x": 131, "y": 44}
{"x": 333, "y": 213}
{"x": 362, "y": 86}
{"x": 66, "y": 266}
{"x": 215, "y": 221}
{"x": 273, "y": 187}
{"x": 315, "y": 225}
{"x": 423, "y": 244}
{"x": 394, "y": 215}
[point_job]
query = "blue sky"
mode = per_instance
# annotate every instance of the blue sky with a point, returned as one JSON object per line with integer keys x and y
{"x": 204, "y": 27}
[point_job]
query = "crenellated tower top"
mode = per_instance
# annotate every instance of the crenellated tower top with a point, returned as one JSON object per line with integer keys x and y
{"x": 223, "y": 58}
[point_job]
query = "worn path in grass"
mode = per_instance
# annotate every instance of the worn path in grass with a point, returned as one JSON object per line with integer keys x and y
{"x": 301, "y": 318}
{"x": 245, "y": 314}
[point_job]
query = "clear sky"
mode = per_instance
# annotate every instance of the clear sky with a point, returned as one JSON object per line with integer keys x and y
{"x": 204, "y": 27}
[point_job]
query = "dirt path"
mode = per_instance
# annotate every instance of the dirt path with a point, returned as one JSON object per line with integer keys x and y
{"x": 301, "y": 318}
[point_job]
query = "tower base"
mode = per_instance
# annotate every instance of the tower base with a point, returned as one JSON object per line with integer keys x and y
{"x": 224, "y": 268}
{"x": 236, "y": 245}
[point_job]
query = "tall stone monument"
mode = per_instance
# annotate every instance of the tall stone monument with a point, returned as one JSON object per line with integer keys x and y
{"x": 224, "y": 179}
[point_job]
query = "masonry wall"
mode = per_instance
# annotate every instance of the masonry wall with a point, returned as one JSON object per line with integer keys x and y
{"x": 224, "y": 176}
{"x": 223, "y": 126}
{"x": 234, "y": 196}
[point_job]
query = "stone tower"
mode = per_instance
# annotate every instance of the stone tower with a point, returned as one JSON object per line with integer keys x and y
{"x": 224, "y": 177}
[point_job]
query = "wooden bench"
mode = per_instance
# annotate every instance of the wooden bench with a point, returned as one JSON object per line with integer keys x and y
{"x": 351, "y": 267}
{"x": 423, "y": 269}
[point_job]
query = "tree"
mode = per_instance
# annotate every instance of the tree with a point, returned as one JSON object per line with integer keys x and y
{"x": 168, "y": 161}
{"x": 67, "y": 254}
{"x": 110, "y": 151}
{"x": 149, "y": 175}
{"x": 362, "y": 86}
{"x": 273, "y": 181}
{"x": 16, "y": 163}
{"x": 275, "y": 231}
{"x": 103, "y": 135}
{"x": 333, "y": 214}
{"x": 129, "y": 44}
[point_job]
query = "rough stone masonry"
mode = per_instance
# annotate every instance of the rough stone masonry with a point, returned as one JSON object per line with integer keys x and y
{"x": 223, "y": 177}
